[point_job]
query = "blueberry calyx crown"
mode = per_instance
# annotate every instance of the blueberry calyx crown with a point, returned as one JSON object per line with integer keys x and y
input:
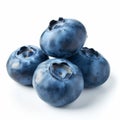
{"x": 51, "y": 24}
{"x": 55, "y": 24}
{"x": 60, "y": 71}
{"x": 25, "y": 52}
{"x": 60, "y": 19}
{"x": 90, "y": 52}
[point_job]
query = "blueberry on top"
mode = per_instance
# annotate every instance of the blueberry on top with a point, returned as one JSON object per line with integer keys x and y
{"x": 63, "y": 38}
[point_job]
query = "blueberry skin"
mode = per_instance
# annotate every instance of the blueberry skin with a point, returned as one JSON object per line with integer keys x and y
{"x": 63, "y": 38}
{"x": 95, "y": 68}
{"x": 22, "y": 63}
{"x": 58, "y": 82}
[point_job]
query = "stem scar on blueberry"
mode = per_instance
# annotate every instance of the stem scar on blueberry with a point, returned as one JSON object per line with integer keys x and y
{"x": 60, "y": 71}
{"x": 90, "y": 52}
{"x": 51, "y": 24}
{"x": 61, "y": 19}
{"x": 26, "y": 51}
{"x": 94, "y": 52}
{"x": 22, "y": 49}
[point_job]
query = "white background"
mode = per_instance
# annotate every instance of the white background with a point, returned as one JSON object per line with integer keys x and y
{"x": 23, "y": 21}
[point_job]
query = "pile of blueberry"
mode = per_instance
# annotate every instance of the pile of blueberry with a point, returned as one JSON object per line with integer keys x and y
{"x": 61, "y": 68}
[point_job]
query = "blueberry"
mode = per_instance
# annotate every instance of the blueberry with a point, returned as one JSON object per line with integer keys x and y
{"x": 23, "y": 62}
{"x": 63, "y": 38}
{"x": 58, "y": 82}
{"x": 94, "y": 66}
